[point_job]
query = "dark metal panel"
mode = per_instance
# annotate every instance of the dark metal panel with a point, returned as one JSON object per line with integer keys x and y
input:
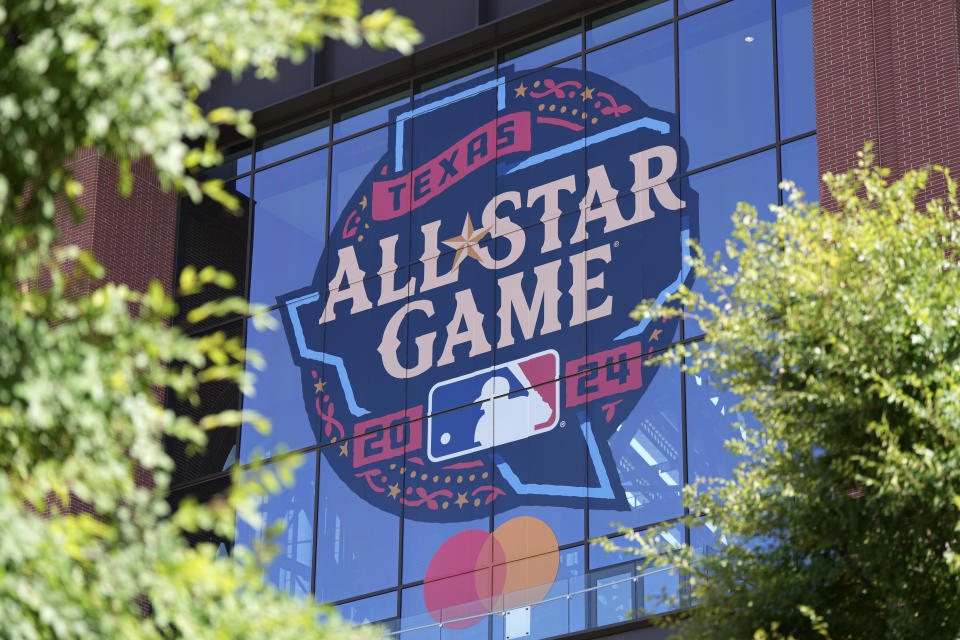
{"x": 401, "y": 69}
{"x": 374, "y": 70}
{"x": 338, "y": 60}
{"x": 253, "y": 93}
{"x": 491, "y": 10}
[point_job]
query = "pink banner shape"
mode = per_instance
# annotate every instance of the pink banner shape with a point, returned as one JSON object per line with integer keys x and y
{"x": 398, "y": 196}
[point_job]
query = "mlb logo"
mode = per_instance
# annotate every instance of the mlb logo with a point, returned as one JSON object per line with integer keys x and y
{"x": 508, "y": 402}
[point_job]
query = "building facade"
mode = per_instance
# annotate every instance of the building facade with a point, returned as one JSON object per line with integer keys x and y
{"x": 450, "y": 245}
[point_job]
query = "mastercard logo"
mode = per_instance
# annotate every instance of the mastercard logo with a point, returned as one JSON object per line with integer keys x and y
{"x": 474, "y": 572}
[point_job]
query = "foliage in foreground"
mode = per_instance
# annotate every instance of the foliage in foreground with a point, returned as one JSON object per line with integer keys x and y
{"x": 80, "y": 413}
{"x": 839, "y": 331}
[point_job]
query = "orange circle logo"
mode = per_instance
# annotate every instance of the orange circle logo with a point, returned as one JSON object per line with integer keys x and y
{"x": 474, "y": 572}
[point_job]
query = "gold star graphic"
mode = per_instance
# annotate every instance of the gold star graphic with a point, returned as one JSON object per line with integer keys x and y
{"x": 655, "y": 335}
{"x": 466, "y": 241}
{"x": 394, "y": 490}
{"x": 521, "y": 91}
{"x": 587, "y": 93}
{"x": 343, "y": 448}
{"x": 461, "y": 499}
{"x": 363, "y": 203}
{"x": 318, "y": 386}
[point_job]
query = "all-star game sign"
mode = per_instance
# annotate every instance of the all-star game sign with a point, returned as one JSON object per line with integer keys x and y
{"x": 473, "y": 299}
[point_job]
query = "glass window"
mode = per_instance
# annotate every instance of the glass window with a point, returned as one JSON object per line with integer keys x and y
{"x": 799, "y": 161}
{"x": 711, "y": 420}
{"x": 555, "y": 99}
{"x": 352, "y": 161}
{"x": 646, "y": 444}
{"x": 221, "y": 451}
{"x": 517, "y": 282}
{"x": 557, "y": 458}
{"x": 211, "y": 235}
{"x": 539, "y": 52}
{"x": 289, "y": 570}
{"x": 795, "y": 67}
{"x": 470, "y": 346}
{"x": 356, "y": 199}
{"x": 553, "y": 612}
{"x": 707, "y": 539}
{"x": 280, "y": 392}
{"x": 290, "y": 141}
{"x": 236, "y": 161}
{"x": 626, "y": 18}
{"x": 435, "y": 547}
{"x": 442, "y": 156}
{"x": 625, "y": 591}
{"x": 357, "y": 543}
{"x": 289, "y": 228}
{"x": 752, "y": 180}
{"x": 425, "y": 606}
{"x": 645, "y": 258}
{"x": 685, "y": 6}
{"x": 373, "y": 609}
{"x": 369, "y": 113}
{"x": 644, "y": 65}
{"x": 468, "y": 74}
{"x": 726, "y": 82}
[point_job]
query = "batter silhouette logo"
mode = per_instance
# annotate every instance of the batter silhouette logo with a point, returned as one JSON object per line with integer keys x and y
{"x": 465, "y": 343}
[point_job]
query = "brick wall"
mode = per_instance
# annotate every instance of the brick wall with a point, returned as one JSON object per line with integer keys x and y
{"x": 887, "y": 71}
{"x": 134, "y": 237}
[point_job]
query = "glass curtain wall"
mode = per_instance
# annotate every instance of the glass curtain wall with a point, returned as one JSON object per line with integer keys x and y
{"x": 450, "y": 264}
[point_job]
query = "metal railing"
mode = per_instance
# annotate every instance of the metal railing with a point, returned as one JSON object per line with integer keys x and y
{"x": 588, "y": 601}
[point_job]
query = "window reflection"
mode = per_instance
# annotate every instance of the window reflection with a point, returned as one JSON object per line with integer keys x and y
{"x": 623, "y": 590}
{"x": 795, "y": 67}
{"x": 471, "y": 73}
{"x": 799, "y": 161}
{"x": 368, "y": 113}
{"x": 290, "y": 141}
{"x": 646, "y": 445}
{"x": 279, "y": 395}
{"x": 726, "y": 82}
{"x": 432, "y": 547}
{"x": 625, "y": 19}
{"x": 643, "y": 64}
{"x": 380, "y": 609}
{"x": 707, "y": 539}
{"x": 562, "y": 461}
{"x": 684, "y": 6}
{"x": 540, "y": 52}
{"x": 357, "y": 543}
{"x": 289, "y": 570}
{"x": 236, "y": 161}
{"x": 352, "y": 161}
{"x": 711, "y": 421}
{"x": 289, "y": 228}
{"x": 556, "y": 98}
{"x": 752, "y": 180}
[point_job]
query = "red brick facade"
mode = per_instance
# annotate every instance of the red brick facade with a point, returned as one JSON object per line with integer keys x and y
{"x": 135, "y": 237}
{"x": 887, "y": 71}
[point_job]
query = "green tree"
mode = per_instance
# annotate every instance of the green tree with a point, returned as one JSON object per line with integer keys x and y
{"x": 79, "y": 374}
{"x": 839, "y": 332}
